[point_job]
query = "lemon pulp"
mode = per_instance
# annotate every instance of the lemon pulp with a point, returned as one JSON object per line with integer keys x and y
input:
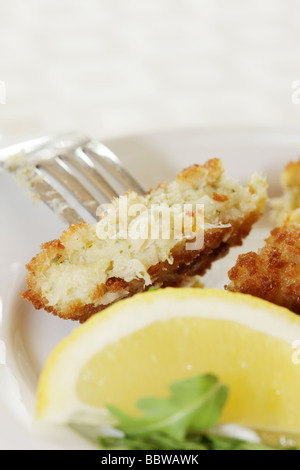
{"x": 263, "y": 380}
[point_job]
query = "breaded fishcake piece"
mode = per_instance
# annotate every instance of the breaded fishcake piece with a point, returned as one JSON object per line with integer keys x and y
{"x": 290, "y": 199}
{"x": 87, "y": 270}
{"x": 273, "y": 273}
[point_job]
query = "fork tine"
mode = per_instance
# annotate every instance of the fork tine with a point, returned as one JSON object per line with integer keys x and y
{"x": 55, "y": 201}
{"x": 100, "y": 153}
{"x": 90, "y": 172}
{"x": 62, "y": 174}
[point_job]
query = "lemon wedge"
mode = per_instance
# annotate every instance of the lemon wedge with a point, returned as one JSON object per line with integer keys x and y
{"x": 139, "y": 346}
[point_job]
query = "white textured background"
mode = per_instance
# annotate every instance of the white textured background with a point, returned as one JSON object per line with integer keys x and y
{"x": 111, "y": 67}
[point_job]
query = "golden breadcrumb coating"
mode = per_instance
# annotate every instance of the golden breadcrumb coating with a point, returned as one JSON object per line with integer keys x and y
{"x": 83, "y": 273}
{"x": 290, "y": 199}
{"x": 273, "y": 273}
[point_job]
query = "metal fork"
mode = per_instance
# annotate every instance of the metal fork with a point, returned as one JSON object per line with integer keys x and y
{"x": 71, "y": 173}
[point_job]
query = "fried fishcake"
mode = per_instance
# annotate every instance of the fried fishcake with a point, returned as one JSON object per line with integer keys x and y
{"x": 273, "y": 273}
{"x": 290, "y": 199}
{"x": 83, "y": 272}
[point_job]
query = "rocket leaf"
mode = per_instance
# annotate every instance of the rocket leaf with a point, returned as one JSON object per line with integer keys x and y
{"x": 181, "y": 421}
{"x": 194, "y": 404}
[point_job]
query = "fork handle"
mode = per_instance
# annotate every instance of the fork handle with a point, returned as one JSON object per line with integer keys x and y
{"x": 34, "y": 144}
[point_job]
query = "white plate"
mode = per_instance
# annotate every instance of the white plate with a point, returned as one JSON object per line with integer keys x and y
{"x": 29, "y": 335}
